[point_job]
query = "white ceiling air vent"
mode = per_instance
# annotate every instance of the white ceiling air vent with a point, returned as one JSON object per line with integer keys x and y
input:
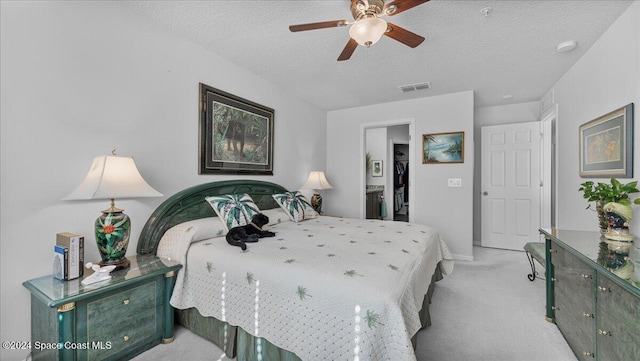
{"x": 414, "y": 87}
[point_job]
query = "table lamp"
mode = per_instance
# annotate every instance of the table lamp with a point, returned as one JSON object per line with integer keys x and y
{"x": 112, "y": 177}
{"x": 316, "y": 181}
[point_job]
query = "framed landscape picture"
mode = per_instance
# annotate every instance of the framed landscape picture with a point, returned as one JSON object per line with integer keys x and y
{"x": 376, "y": 170}
{"x": 606, "y": 145}
{"x": 440, "y": 148}
{"x": 236, "y": 135}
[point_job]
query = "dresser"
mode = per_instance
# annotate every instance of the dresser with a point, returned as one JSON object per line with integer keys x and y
{"x": 597, "y": 312}
{"x": 110, "y": 320}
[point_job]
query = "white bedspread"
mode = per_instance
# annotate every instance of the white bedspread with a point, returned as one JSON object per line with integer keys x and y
{"x": 325, "y": 289}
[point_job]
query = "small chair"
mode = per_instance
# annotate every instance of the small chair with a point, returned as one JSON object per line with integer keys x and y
{"x": 535, "y": 251}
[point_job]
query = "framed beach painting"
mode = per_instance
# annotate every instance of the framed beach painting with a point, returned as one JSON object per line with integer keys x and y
{"x": 441, "y": 148}
{"x": 376, "y": 169}
{"x": 236, "y": 135}
{"x": 606, "y": 145}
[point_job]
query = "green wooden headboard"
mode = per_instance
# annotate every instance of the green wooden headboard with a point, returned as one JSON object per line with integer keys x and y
{"x": 189, "y": 204}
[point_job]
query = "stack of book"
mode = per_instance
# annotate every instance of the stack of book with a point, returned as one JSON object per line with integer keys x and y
{"x": 68, "y": 260}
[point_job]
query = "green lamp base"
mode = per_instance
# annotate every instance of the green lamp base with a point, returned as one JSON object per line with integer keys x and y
{"x": 316, "y": 202}
{"x": 112, "y": 236}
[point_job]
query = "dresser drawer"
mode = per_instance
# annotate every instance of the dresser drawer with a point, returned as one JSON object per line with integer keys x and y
{"x": 123, "y": 319}
{"x": 618, "y": 322}
{"x": 123, "y": 335}
{"x": 575, "y": 307}
{"x": 576, "y": 324}
{"x": 562, "y": 258}
{"x": 122, "y": 305}
{"x": 574, "y": 278}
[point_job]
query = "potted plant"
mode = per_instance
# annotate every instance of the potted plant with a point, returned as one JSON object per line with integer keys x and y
{"x": 603, "y": 193}
{"x": 367, "y": 161}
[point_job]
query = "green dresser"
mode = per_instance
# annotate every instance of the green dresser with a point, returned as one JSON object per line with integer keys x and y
{"x": 597, "y": 312}
{"x": 111, "y": 320}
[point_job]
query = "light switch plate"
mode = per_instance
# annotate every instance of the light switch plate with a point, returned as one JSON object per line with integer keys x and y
{"x": 455, "y": 182}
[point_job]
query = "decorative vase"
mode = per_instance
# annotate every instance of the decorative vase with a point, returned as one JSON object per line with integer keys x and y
{"x": 618, "y": 239}
{"x": 112, "y": 236}
{"x": 603, "y": 223}
{"x": 316, "y": 202}
{"x": 619, "y": 217}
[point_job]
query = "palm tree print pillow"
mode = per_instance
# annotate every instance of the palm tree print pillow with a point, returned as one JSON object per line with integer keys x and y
{"x": 233, "y": 209}
{"x": 296, "y": 205}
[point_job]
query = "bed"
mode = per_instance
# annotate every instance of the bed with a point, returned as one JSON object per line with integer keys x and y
{"x": 324, "y": 288}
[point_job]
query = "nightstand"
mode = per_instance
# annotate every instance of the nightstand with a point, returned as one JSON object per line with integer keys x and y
{"x": 112, "y": 320}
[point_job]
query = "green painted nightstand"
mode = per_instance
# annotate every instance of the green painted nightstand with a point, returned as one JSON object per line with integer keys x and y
{"x": 111, "y": 320}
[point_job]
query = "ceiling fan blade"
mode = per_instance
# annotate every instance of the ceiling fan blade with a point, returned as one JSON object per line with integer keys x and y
{"x": 321, "y": 25}
{"x": 403, "y": 35}
{"x": 348, "y": 50}
{"x": 400, "y": 6}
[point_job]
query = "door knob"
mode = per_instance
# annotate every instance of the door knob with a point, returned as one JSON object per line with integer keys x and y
{"x": 485, "y": 193}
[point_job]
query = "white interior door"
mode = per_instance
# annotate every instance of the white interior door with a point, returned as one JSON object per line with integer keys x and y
{"x": 510, "y": 185}
{"x": 548, "y": 169}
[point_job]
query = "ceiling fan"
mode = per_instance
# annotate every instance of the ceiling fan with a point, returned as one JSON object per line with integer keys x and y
{"x": 368, "y": 26}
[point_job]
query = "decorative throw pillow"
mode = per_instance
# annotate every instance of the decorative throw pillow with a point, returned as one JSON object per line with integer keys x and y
{"x": 296, "y": 205}
{"x": 233, "y": 209}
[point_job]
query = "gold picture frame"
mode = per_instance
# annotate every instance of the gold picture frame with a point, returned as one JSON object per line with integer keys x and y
{"x": 442, "y": 148}
{"x": 606, "y": 145}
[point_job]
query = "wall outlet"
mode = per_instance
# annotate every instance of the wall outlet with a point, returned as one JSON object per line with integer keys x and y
{"x": 455, "y": 182}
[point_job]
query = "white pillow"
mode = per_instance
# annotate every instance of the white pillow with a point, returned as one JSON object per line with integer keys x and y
{"x": 295, "y": 205}
{"x": 176, "y": 240}
{"x": 276, "y": 216}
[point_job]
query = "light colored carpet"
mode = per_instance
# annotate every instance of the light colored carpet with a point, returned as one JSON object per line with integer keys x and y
{"x": 489, "y": 310}
{"x": 486, "y": 310}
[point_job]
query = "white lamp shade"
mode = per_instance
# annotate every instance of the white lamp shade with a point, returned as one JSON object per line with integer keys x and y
{"x": 112, "y": 176}
{"x": 368, "y": 31}
{"x": 317, "y": 180}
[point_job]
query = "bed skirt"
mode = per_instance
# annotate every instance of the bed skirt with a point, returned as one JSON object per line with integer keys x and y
{"x": 238, "y": 343}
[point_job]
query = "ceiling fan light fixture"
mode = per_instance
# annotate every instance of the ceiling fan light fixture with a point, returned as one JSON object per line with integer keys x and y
{"x": 367, "y": 31}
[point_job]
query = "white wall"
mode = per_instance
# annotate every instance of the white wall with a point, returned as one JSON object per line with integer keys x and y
{"x": 448, "y": 209}
{"x": 376, "y": 145}
{"x": 78, "y": 78}
{"x": 607, "y": 77}
{"x": 496, "y": 115}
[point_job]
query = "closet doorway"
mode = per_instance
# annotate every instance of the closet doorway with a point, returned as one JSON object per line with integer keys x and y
{"x": 379, "y": 142}
{"x": 400, "y": 181}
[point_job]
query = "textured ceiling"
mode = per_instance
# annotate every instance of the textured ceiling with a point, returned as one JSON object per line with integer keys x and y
{"x": 510, "y": 51}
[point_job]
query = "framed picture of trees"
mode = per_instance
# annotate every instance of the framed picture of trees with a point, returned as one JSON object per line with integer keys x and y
{"x": 236, "y": 135}
{"x": 440, "y": 148}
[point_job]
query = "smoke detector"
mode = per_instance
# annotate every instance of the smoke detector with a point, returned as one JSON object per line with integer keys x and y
{"x": 566, "y": 46}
